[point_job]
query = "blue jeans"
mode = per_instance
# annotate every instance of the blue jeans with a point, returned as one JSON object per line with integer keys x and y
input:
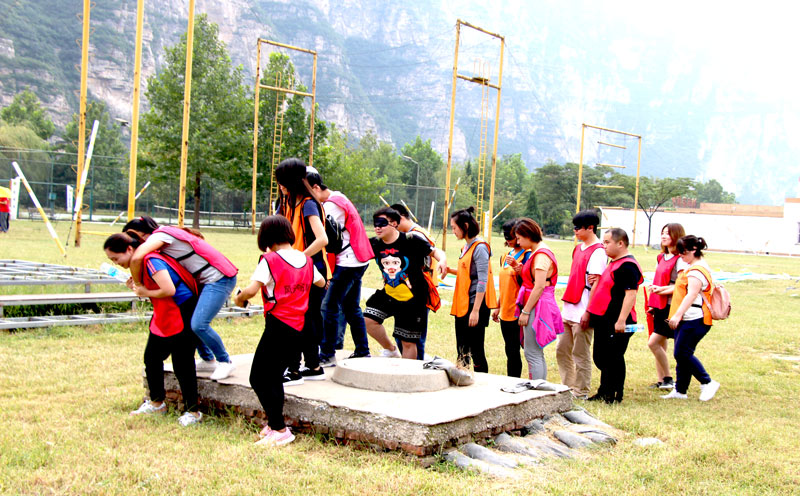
{"x": 687, "y": 336}
{"x": 343, "y": 302}
{"x": 211, "y": 299}
{"x": 421, "y": 342}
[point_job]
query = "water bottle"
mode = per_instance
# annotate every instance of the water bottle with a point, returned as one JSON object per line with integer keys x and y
{"x": 634, "y": 327}
{"x": 114, "y": 272}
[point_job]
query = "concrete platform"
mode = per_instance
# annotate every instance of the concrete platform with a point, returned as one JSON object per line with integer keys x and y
{"x": 389, "y": 374}
{"x": 421, "y": 423}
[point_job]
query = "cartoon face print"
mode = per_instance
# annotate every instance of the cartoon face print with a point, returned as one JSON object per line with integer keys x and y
{"x": 394, "y": 268}
{"x": 391, "y": 266}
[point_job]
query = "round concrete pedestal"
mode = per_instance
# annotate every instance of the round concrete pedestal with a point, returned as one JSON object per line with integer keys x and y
{"x": 395, "y": 375}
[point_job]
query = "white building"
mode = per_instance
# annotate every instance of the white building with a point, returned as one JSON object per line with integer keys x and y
{"x": 725, "y": 227}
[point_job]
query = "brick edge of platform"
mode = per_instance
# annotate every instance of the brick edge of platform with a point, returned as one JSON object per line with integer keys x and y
{"x": 480, "y": 428}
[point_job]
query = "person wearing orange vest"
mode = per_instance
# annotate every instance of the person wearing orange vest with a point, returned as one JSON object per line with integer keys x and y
{"x": 215, "y": 275}
{"x": 284, "y": 277}
{"x": 406, "y": 225}
{"x": 404, "y": 296}
{"x": 539, "y": 317}
{"x": 296, "y": 202}
{"x": 342, "y": 302}
{"x": 690, "y": 316}
{"x": 505, "y": 313}
{"x": 611, "y": 305}
{"x": 669, "y": 264}
{"x": 574, "y": 349}
{"x": 474, "y": 293}
{"x": 173, "y": 292}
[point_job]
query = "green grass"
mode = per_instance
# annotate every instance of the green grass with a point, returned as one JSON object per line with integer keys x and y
{"x": 66, "y": 393}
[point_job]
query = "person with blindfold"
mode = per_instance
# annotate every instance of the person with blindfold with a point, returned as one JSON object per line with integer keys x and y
{"x": 404, "y": 296}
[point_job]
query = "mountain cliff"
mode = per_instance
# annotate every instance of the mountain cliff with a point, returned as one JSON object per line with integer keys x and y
{"x": 387, "y": 66}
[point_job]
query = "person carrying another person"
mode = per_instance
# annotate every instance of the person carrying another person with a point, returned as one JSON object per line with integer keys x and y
{"x": 215, "y": 276}
{"x": 539, "y": 317}
{"x": 173, "y": 293}
{"x": 296, "y": 202}
{"x": 505, "y": 313}
{"x": 660, "y": 298}
{"x": 611, "y": 307}
{"x": 690, "y": 316}
{"x": 406, "y": 225}
{"x": 474, "y": 293}
{"x": 284, "y": 277}
{"x": 405, "y": 292}
{"x": 343, "y": 298}
{"x": 574, "y": 348}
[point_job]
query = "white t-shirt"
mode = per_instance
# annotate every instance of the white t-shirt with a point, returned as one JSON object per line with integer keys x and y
{"x": 176, "y": 248}
{"x": 597, "y": 264}
{"x": 696, "y": 312}
{"x": 679, "y": 266}
{"x": 293, "y": 257}
{"x": 347, "y": 258}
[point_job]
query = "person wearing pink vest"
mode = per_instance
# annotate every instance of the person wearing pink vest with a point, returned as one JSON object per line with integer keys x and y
{"x": 284, "y": 277}
{"x": 574, "y": 349}
{"x": 342, "y": 302}
{"x": 611, "y": 305}
{"x": 659, "y": 299}
{"x": 215, "y": 275}
{"x": 173, "y": 293}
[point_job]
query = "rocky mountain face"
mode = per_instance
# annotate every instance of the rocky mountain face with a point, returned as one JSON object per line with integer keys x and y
{"x": 387, "y": 67}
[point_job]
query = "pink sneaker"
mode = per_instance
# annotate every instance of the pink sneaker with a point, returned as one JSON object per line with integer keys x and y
{"x": 275, "y": 438}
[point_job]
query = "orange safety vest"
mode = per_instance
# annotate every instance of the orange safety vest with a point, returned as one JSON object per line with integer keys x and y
{"x": 682, "y": 288}
{"x": 461, "y": 292}
{"x": 299, "y": 229}
{"x": 434, "y": 262}
{"x": 509, "y": 288}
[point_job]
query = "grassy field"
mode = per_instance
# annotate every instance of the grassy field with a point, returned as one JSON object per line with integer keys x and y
{"x": 66, "y": 393}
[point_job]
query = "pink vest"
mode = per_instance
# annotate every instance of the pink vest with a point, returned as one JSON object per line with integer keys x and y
{"x": 352, "y": 222}
{"x": 203, "y": 249}
{"x": 602, "y": 293}
{"x": 527, "y": 269}
{"x": 577, "y": 274}
{"x": 661, "y": 278}
{"x": 289, "y": 302}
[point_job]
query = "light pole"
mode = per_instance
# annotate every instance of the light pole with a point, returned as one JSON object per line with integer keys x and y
{"x": 416, "y": 192}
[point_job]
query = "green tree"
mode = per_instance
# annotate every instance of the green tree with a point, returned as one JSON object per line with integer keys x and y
{"x": 220, "y": 137}
{"x": 349, "y": 169}
{"x": 26, "y": 110}
{"x": 655, "y": 193}
{"x": 17, "y": 141}
{"x": 712, "y": 192}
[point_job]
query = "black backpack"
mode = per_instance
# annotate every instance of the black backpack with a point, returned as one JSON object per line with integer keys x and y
{"x": 335, "y": 233}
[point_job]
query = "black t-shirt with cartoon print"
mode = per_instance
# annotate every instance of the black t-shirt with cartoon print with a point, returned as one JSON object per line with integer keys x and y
{"x": 401, "y": 264}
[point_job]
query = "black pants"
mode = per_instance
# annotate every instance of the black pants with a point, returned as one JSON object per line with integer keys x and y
{"x": 469, "y": 340}
{"x": 275, "y": 350}
{"x": 181, "y": 346}
{"x": 312, "y": 332}
{"x": 609, "y": 357}
{"x": 510, "y": 330}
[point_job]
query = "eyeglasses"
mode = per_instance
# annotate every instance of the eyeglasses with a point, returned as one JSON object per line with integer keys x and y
{"x": 380, "y": 222}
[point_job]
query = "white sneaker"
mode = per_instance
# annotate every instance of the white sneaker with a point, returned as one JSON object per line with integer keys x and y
{"x": 391, "y": 353}
{"x": 205, "y": 365}
{"x": 223, "y": 370}
{"x": 189, "y": 418}
{"x": 707, "y": 391}
{"x": 148, "y": 408}
{"x": 674, "y": 394}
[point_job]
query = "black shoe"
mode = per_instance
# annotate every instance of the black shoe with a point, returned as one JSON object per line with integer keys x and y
{"x": 360, "y": 355}
{"x": 292, "y": 378}
{"x": 313, "y": 375}
{"x": 598, "y": 397}
{"x": 655, "y": 385}
{"x": 667, "y": 384}
{"x": 327, "y": 361}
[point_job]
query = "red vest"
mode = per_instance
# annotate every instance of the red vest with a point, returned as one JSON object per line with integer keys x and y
{"x": 602, "y": 293}
{"x": 289, "y": 302}
{"x": 661, "y": 278}
{"x": 203, "y": 249}
{"x": 166, "y": 320}
{"x": 352, "y": 222}
{"x": 527, "y": 269}
{"x": 577, "y": 274}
